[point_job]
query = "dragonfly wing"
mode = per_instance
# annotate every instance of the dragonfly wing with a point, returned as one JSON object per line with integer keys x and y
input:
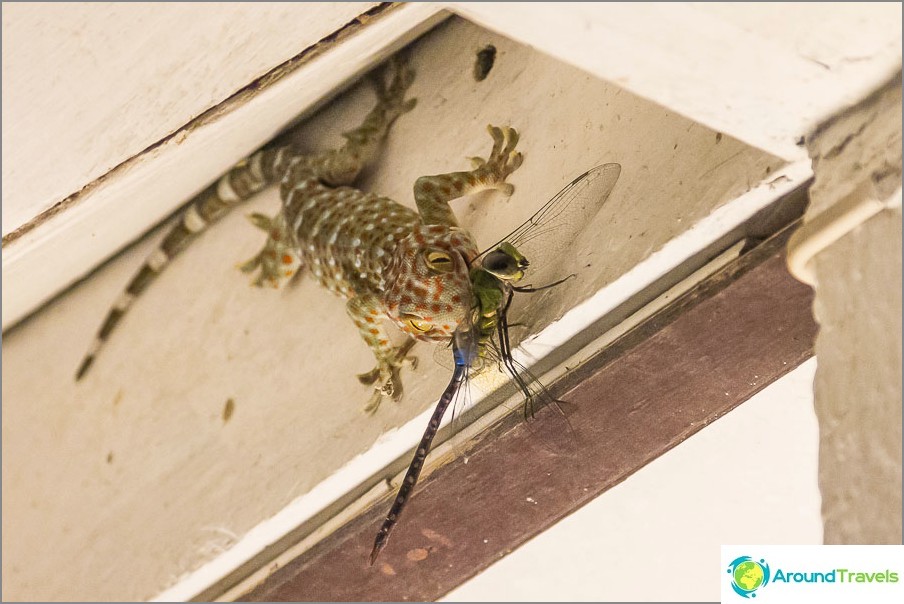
{"x": 555, "y": 226}
{"x": 546, "y": 417}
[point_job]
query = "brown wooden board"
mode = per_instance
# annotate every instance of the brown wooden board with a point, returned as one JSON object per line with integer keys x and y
{"x": 661, "y": 382}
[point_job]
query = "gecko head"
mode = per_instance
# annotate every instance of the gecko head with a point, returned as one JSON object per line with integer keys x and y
{"x": 428, "y": 291}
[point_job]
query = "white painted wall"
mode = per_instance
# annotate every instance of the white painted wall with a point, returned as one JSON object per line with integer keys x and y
{"x": 857, "y": 274}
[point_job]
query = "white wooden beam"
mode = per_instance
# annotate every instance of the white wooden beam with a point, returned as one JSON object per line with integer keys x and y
{"x": 722, "y": 65}
{"x": 118, "y": 207}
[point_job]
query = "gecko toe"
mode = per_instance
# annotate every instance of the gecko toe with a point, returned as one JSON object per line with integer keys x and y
{"x": 374, "y": 403}
{"x": 370, "y": 377}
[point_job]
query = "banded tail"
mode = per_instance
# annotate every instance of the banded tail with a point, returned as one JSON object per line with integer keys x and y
{"x": 248, "y": 177}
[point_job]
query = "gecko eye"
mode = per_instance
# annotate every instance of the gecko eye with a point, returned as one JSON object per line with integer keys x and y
{"x": 419, "y": 324}
{"x": 439, "y": 261}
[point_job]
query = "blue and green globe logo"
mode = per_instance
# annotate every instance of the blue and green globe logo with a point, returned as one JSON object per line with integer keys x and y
{"x": 748, "y": 575}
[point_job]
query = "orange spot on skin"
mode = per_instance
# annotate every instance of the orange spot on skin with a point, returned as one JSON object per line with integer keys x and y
{"x": 383, "y": 342}
{"x": 456, "y": 298}
{"x": 435, "y": 308}
{"x": 375, "y": 332}
{"x": 417, "y": 554}
{"x": 428, "y": 319}
{"x": 455, "y": 241}
{"x": 288, "y": 273}
{"x": 374, "y": 312}
{"x": 287, "y": 259}
{"x": 446, "y": 328}
{"x": 369, "y": 319}
{"x": 420, "y": 239}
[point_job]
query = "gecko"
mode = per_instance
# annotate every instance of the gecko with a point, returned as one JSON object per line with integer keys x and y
{"x": 389, "y": 262}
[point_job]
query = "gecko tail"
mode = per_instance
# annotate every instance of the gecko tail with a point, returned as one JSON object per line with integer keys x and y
{"x": 248, "y": 177}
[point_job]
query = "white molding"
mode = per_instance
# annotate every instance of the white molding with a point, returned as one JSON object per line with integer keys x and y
{"x": 57, "y": 253}
{"x": 768, "y": 96}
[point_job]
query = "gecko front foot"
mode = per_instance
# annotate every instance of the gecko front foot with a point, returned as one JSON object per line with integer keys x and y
{"x": 385, "y": 377}
{"x": 278, "y": 260}
{"x": 503, "y": 160}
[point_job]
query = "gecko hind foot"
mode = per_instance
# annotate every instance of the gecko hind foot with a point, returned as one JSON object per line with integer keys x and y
{"x": 391, "y": 95}
{"x": 278, "y": 260}
{"x": 391, "y": 101}
{"x": 385, "y": 377}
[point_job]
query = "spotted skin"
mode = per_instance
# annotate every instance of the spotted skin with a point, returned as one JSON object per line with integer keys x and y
{"x": 389, "y": 262}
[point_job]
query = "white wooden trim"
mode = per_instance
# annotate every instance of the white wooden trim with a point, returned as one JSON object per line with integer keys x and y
{"x": 51, "y": 257}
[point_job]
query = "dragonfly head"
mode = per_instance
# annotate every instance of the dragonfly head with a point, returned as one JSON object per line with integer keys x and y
{"x": 428, "y": 291}
{"x": 505, "y": 262}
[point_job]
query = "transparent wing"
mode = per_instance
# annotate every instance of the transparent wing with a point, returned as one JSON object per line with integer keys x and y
{"x": 531, "y": 397}
{"x": 553, "y": 228}
{"x": 486, "y": 373}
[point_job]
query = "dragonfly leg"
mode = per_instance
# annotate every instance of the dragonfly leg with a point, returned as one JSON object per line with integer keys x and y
{"x": 433, "y": 193}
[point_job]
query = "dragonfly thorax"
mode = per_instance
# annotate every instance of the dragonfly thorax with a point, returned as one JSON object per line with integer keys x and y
{"x": 491, "y": 281}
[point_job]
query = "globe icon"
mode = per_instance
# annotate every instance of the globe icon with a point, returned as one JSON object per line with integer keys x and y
{"x": 748, "y": 575}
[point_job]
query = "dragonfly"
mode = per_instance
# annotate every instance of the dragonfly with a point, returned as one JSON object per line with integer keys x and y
{"x": 496, "y": 275}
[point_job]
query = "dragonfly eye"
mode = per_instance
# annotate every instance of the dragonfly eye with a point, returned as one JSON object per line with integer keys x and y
{"x": 504, "y": 265}
{"x": 498, "y": 262}
{"x": 439, "y": 261}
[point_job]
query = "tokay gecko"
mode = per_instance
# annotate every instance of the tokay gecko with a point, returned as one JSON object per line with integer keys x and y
{"x": 386, "y": 260}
